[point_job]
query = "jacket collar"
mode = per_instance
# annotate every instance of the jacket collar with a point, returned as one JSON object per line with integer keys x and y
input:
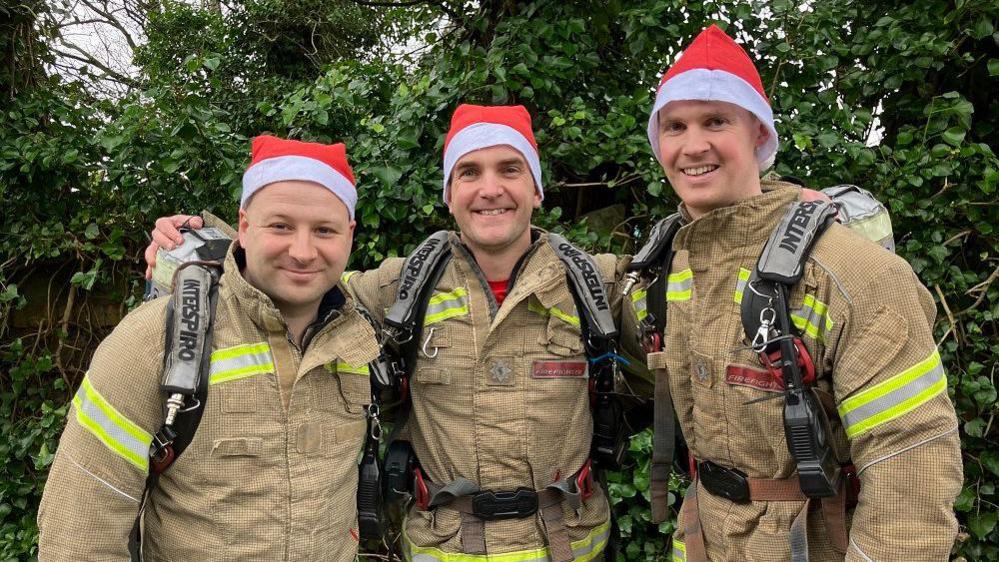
{"x": 747, "y": 222}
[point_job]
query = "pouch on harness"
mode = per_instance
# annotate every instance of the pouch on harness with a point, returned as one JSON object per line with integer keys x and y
{"x": 404, "y": 323}
{"x": 766, "y": 321}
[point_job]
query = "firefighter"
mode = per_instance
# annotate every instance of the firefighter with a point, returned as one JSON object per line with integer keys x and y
{"x": 865, "y": 322}
{"x": 270, "y": 472}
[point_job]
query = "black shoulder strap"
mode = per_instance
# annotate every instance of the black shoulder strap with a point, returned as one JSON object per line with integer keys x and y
{"x": 416, "y": 279}
{"x": 190, "y": 319}
{"x": 588, "y": 287}
{"x": 653, "y": 262}
{"x": 783, "y": 258}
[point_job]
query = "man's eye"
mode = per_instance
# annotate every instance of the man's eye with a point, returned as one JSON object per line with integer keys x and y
{"x": 279, "y": 226}
{"x": 672, "y": 127}
{"x": 467, "y": 173}
{"x": 717, "y": 122}
{"x": 325, "y": 231}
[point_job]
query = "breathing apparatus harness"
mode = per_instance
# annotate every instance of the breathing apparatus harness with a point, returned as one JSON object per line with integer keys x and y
{"x": 403, "y": 478}
{"x": 766, "y": 320}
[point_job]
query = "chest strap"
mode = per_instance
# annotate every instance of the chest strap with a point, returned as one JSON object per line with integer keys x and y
{"x": 476, "y": 506}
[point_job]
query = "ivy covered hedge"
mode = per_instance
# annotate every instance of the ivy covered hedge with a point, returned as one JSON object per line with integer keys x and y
{"x": 896, "y": 98}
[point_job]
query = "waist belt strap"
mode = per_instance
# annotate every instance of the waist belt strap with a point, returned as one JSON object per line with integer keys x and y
{"x": 459, "y": 496}
{"x": 775, "y": 490}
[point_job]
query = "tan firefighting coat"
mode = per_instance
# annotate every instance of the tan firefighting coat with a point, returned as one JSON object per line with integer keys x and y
{"x": 867, "y": 323}
{"x": 499, "y": 397}
{"x": 261, "y": 481}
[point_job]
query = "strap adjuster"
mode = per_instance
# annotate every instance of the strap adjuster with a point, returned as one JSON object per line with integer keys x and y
{"x": 490, "y": 505}
{"x": 729, "y": 483}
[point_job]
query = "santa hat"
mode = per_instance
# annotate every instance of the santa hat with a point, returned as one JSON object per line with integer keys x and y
{"x": 474, "y": 127}
{"x": 715, "y": 68}
{"x": 275, "y": 160}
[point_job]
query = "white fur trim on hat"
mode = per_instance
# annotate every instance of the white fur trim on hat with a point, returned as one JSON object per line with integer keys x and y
{"x": 484, "y": 135}
{"x": 716, "y": 85}
{"x": 302, "y": 168}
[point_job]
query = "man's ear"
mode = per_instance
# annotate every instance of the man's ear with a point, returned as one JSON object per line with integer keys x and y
{"x": 762, "y": 134}
{"x": 244, "y": 224}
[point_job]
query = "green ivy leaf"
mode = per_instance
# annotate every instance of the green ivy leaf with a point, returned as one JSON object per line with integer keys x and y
{"x": 954, "y": 136}
{"x": 990, "y": 459}
{"x": 983, "y": 523}
{"x": 92, "y": 231}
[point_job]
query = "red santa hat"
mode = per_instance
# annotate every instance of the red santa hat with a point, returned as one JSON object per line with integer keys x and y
{"x": 275, "y": 160}
{"x": 474, "y": 127}
{"x": 715, "y": 68}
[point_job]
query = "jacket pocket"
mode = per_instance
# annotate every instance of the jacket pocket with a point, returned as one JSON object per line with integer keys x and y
{"x": 355, "y": 391}
{"x": 562, "y": 338}
{"x": 237, "y": 447}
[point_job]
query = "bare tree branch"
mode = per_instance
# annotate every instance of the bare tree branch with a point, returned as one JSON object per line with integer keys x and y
{"x": 88, "y": 59}
{"x": 112, "y": 21}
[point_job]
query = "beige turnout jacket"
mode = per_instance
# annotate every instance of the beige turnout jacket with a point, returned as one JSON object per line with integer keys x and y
{"x": 499, "y": 397}
{"x": 867, "y": 324}
{"x": 272, "y": 471}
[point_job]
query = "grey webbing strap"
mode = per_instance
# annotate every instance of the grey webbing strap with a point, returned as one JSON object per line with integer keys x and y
{"x": 663, "y": 441}
{"x": 589, "y": 287}
{"x": 783, "y": 257}
{"x": 799, "y": 534}
{"x": 550, "y": 506}
{"x": 416, "y": 273}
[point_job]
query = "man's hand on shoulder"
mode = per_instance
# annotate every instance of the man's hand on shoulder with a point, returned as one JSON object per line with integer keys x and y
{"x": 167, "y": 235}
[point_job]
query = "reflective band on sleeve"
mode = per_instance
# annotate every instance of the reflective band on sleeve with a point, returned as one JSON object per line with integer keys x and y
{"x": 588, "y": 548}
{"x": 813, "y": 318}
{"x": 240, "y": 362}
{"x": 894, "y": 397}
{"x": 679, "y": 286}
{"x": 536, "y": 307}
{"x": 118, "y": 433}
{"x": 640, "y": 304}
{"x": 740, "y": 285}
{"x": 345, "y": 277}
{"x": 446, "y": 305}
{"x": 679, "y": 551}
{"x": 342, "y": 367}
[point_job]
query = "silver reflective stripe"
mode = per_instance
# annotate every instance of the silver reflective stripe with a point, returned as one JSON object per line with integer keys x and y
{"x": 894, "y": 397}
{"x": 813, "y": 318}
{"x": 240, "y": 362}
{"x": 640, "y": 303}
{"x": 740, "y": 285}
{"x": 446, "y": 305}
{"x": 679, "y": 286}
{"x": 115, "y": 431}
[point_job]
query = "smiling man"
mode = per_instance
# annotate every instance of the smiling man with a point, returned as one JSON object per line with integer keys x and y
{"x": 499, "y": 389}
{"x": 882, "y": 467}
{"x": 271, "y": 471}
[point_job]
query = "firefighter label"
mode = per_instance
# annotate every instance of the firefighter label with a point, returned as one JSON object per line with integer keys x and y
{"x": 559, "y": 370}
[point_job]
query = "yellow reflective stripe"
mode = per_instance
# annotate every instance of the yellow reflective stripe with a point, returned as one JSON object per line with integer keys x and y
{"x": 679, "y": 551}
{"x": 115, "y": 431}
{"x": 345, "y": 277}
{"x": 679, "y": 286}
{"x": 893, "y": 397}
{"x": 639, "y": 303}
{"x": 442, "y": 306}
{"x": 588, "y": 548}
{"x": 740, "y": 285}
{"x": 554, "y": 311}
{"x": 813, "y": 318}
{"x": 240, "y": 350}
{"x": 343, "y": 367}
{"x": 240, "y": 362}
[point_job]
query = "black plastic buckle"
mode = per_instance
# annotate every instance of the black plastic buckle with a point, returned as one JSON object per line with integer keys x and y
{"x": 728, "y": 483}
{"x": 517, "y": 504}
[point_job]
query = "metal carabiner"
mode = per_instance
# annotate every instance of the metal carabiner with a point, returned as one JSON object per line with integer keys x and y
{"x": 426, "y": 342}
